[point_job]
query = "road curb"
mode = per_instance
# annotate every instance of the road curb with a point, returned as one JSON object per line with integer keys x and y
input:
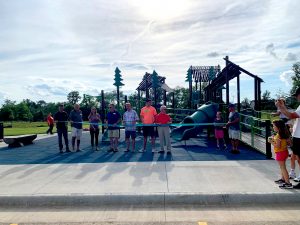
{"x": 149, "y": 200}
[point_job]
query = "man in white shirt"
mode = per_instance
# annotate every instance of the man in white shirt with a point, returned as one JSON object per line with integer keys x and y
{"x": 296, "y": 128}
{"x": 130, "y": 118}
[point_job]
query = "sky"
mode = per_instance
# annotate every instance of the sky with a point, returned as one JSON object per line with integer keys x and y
{"x": 49, "y": 48}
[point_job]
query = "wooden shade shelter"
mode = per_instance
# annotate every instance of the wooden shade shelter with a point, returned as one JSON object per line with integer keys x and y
{"x": 146, "y": 84}
{"x": 230, "y": 72}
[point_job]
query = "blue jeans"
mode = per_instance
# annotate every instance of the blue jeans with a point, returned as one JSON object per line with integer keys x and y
{"x": 60, "y": 133}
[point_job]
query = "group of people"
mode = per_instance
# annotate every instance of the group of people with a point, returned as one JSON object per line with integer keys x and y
{"x": 152, "y": 122}
{"x": 151, "y": 119}
{"x": 284, "y": 138}
{"x": 148, "y": 117}
{"x": 233, "y": 126}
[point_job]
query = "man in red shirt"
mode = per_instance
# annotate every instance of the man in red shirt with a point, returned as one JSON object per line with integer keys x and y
{"x": 50, "y": 122}
{"x": 163, "y": 120}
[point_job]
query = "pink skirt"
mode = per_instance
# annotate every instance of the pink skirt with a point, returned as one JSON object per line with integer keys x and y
{"x": 281, "y": 156}
{"x": 219, "y": 134}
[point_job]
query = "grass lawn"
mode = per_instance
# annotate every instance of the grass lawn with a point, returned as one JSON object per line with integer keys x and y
{"x": 21, "y": 128}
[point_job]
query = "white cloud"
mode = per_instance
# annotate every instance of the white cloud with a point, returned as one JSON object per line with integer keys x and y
{"x": 286, "y": 77}
{"x": 78, "y": 44}
{"x": 2, "y": 97}
{"x": 290, "y": 57}
{"x": 270, "y": 48}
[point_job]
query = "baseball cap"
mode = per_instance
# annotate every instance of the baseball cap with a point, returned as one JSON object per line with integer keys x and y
{"x": 148, "y": 100}
{"x": 231, "y": 105}
{"x": 297, "y": 92}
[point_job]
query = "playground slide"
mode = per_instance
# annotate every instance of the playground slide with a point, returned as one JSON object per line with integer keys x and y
{"x": 204, "y": 114}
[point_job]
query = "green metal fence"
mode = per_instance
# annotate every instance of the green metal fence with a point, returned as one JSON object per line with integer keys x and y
{"x": 255, "y": 132}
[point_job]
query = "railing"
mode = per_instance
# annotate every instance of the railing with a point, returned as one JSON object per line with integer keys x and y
{"x": 259, "y": 130}
{"x": 178, "y": 115}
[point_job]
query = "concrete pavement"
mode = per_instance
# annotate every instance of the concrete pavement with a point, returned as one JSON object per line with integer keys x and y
{"x": 195, "y": 174}
{"x": 143, "y": 183}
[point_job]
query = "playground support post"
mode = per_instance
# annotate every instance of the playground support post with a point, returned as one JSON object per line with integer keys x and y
{"x": 268, "y": 134}
{"x": 102, "y": 109}
{"x": 227, "y": 81}
{"x": 139, "y": 100}
{"x": 255, "y": 95}
{"x": 125, "y": 98}
{"x": 173, "y": 100}
{"x": 165, "y": 97}
{"x": 238, "y": 93}
{"x": 147, "y": 89}
{"x": 118, "y": 98}
{"x": 259, "y": 94}
{"x": 200, "y": 92}
{"x": 190, "y": 94}
{"x": 155, "y": 98}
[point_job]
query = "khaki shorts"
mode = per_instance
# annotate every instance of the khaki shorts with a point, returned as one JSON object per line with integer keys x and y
{"x": 113, "y": 133}
{"x": 234, "y": 134}
{"x": 76, "y": 132}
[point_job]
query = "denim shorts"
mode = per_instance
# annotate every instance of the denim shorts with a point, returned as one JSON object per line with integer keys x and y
{"x": 130, "y": 133}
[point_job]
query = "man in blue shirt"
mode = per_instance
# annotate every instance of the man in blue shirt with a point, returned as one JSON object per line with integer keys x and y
{"x": 113, "y": 120}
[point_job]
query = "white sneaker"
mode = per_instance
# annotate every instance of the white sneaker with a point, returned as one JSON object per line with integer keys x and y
{"x": 297, "y": 179}
{"x": 292, "y": 174}
{"x": 153, "y": 150}
{"x": 141, "y": 150}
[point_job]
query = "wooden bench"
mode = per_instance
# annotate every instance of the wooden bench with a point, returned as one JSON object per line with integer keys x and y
{"x": 18, "y": 141}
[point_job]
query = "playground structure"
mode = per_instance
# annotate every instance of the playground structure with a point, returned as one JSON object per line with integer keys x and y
{"x": 149, "y": 82}
{"x": 207, "y": 93}
{"x": 228, "y": 73}
{"x": 204, "y": 76}
{"x": 209, "y": 84}
{"x": 204, "y": 114}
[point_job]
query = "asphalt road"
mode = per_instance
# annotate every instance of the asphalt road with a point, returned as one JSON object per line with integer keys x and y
{"x": 271, "y": 215}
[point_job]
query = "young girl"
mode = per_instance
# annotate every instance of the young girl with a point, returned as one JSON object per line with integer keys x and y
{"x": 219, "y": 133}
{"x": 280, "y": 142}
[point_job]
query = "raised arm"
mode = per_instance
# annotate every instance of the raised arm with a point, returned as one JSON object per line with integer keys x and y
{"x": 285, "y": 111}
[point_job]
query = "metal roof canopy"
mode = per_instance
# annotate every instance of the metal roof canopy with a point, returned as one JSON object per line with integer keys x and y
{"x": 202, "y": 73}
{"x": 146, "y": 83}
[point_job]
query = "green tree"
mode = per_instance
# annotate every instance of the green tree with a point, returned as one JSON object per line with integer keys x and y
{"x": 73, "y": 97}
{"x": 7, "y": 112}
{"x": 245, "y": 104}
{"x": 296, "y": 77}
{"x": 155, "y": 85}
{"x": 189, "y": 78}
{"x": 189, "y": 75}
{"x": 22, "y": 112}
{"x": 181, "y": 97}
{"x": 155, "y": 81}
{"x": 211, "y": 73}
{"x": 88, "y": 100}
{"x": 118, "y": 83}
{"x": 266, "y": 95}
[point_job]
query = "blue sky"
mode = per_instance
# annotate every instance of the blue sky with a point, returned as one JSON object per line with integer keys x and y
{"x": 49, "y": 48}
